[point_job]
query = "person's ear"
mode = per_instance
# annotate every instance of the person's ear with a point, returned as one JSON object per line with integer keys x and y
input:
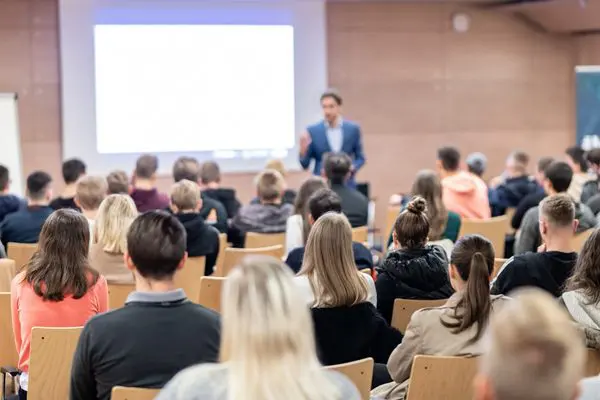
{"x": 311, "y": 220}
{"x": 183, "y": 260}
{"x": 543, "y": 227}
{"x": 76, "y": 200}
{"x": 452, "y": 272}
{"x": 173, "y": 208}
{"x": 198, "y": 206}
{"x": 438, "y": 165}
{"x": 575, "y": 225}
{"x": 128, "y": 262}
{"x": 395, "y": 240}
{"x": 482, "y": 389}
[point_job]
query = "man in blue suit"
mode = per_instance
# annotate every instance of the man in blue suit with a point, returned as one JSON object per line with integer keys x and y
{"x": 332, "y": 135}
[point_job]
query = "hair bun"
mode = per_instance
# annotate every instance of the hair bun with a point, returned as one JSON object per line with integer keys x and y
{"x": 417, "y": 205}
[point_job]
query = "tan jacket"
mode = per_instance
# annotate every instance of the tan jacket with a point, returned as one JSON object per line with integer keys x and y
{"x": 425, "y": 335}
{"x": 111, "y": 265}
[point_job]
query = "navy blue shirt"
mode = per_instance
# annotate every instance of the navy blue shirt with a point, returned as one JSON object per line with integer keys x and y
{"x": 9, "y": 204}
{"x": 362, "y": 257}
{"x": 24, "y": 226}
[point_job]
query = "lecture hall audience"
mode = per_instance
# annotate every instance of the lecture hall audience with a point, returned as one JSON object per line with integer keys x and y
{"x": 533, "y": 199}
{"x": 513, "y": 185}
{"x": 89, "y": 193}
{"x": 9, "y": 203}
{"x": 289, "y": 195}
{"x": 575, "y": 157}
{"x": 72, "y": 170}
{"x": 210, "y": 183}
{"x": 590, "y": 193}
{"x": 145, "y": 195}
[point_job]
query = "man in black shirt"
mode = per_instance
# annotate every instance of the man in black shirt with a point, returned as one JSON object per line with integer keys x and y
{"x": 553, "y": 264}
{"x": 158, "y": 332}
{"x": 72, "y": 170}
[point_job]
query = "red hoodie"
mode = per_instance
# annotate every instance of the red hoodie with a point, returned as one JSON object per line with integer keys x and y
{"x": 467, "y": 195}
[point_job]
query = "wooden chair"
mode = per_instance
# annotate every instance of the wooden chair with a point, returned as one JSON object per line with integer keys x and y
{"x": 498, "y": 263}
{"x": 255, "y": 240}
{"x": 188, "y": 277}
{"x": 210, "y": 292}
{"x": 8, "y": 351}
{"x": 494, "y": 229}
{"x": 360, "y": 234}
{"x": 234, "y": 256}
{"x": 390, "y": 220}
{"x": 442, "y": 378}
{"x": 21, "y": 253}
{"x": 7, "y": 273}
{"x": 579, "y": 240}
{"x": 592, "y": 366}
{"x": 360, "y": 372}
{"x": 52, "y": 352}
{"x": 117, "y": 294}
{"x": 221, "y": 257}
{"x": 404, "y": 309}
{"x": 126, "y": 393}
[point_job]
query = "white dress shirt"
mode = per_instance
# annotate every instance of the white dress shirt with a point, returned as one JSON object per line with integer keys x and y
{"x": 335, "y": 135}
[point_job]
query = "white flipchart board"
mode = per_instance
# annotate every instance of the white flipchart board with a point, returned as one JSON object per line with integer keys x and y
{"x": 10, "y": 141}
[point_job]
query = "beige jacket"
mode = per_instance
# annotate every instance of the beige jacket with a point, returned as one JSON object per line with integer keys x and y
{"x": 425, "y": 335}
{"x": 111, "y": 265}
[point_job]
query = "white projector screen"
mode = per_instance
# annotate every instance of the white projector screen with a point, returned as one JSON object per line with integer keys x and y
{"x": 226, "y": 80}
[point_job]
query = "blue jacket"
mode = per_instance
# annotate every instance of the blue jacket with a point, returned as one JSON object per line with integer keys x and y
{"x": 351, "y": 145}
{"x": 24, "y": 226}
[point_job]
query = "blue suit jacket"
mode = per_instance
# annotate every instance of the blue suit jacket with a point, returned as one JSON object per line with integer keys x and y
{"x": 351, "y": 145}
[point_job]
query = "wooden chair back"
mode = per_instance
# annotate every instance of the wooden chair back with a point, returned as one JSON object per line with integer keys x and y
{"x": 255, "y": 240}
{"x": 7, "y": 273}
{"x": 8, "y": 351}
{"x": 404, "y": 309}
{"x": 390, "y": 220}
{"x": 360, "y": 372}
{"x": 234, "y": 256}
{"x": 592, "y": 367}
{"x": 498, "y": 263}
{"x": 494, "y": 229}
{"x": 117, "y": 294}
{"x": 21, "y": 253}
{"x": 210, "y": 292}
{"x": 221, "y": 257}
{"x": 128, "y": 393}
{"x": 579, "y": 240}
{"x": 188, "y": 277}
{"x": 52, "y": 352}
{"x": 360, "y": 234}
{"x": 442, "y": 378}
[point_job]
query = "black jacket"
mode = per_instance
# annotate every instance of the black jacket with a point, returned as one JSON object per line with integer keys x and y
{"x": 510, "y": 193}
{"x": 355, "y": 205}
{"x": 25, "y": 225}
{"x": 345, "y": 334}
{"x": 412, "y": 274}
{"x": 202, "y": 239}
{"x": 529, "y": 201}
{"x": 226, "y": 197}
{"x": 9, "y": 204}
{"x": 208, "y": 205}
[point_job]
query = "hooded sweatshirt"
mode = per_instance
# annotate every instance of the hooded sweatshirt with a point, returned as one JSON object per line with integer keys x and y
{"x": 467, "y": 195}
{"x": 510, "y": 193}
{"x": 585, "y": 314}
{"x": 226, "y": 197}
{"x": 10, "y": 203}
{"x": 202, "y": 239}
{"x": 412, "y": 274}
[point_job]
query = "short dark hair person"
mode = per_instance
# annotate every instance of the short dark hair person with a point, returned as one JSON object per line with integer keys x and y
{"x": 337, "y": 166}
{"x": 449, "y": 157}
{"x": 560, "y": 175}
{"x": 72, "y": 170}
{"x": 37, "y": 183}
{"x": 577, "y": 154}
{"x": 186, "y": 168}
{"x": 324, "y": 201}
{"x": 332, "y": 94}
{"x": 146, "y": 166}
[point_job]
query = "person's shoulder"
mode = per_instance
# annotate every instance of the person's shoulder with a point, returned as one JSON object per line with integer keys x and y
{"x": 297, "y": 252}
{"x": 351, "y": 124}
{"x": 453, "y": 216}
{"x": 357, "y": 246}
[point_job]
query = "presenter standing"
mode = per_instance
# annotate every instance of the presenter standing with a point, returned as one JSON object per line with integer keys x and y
{"x": 333, "y": 134}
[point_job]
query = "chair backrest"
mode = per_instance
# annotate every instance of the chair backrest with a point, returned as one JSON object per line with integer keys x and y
{"x": 579, "y": 239}
{"x": 188, "y": 277}
{"x": 210, "y": 292}
{"x": 255, "y": 240}
{"x": 360, "y": 372}
{"x": 404, "y": 309}
{"x": 442, "y": 378}
{"x": 21, "y": 253}
{"x": 117, "y": 294}
{"x": 8, "y": 351}
{"x": 127, "y": 393}
{"x": 592, "y": 367}
{"x": 360, "y": 234}
{"x": 390, "y": 220}
{"x": 7, "y": 273}
{"x": 498, "y": 263}
{"x": 52, "y": 352}
{"x": 234, "y": 256}
{"x": 221, "y": 257}
{"x": 494, "y": 229}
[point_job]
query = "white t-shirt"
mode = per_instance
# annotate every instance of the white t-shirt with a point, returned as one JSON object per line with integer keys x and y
{"x": 294, "y": 233}
{"x": 309, "y": 297}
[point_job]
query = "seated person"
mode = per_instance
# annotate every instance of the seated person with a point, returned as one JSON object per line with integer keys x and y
{"x": 337, "y": 168}
{"x": 464, "y": 193}
{"x": 289, "y": 195}
{"x": 321, "y": 202}
{"x": 269, "y": 342}
{"x": 72, "y": 170}
{"x": 89, "y": 193}
{"x": 456, "y": 328}
{"x": 575, "y": 157}
{"x": 533, "y": 199}
{"x": 513, "y": 185}
{"x": 9, "y": 203}
{"x": 558, "y": 177}
{"x": 24, "y": 226}
{"x": 115, "y": 215}
{"x": 553, "y": 264}
{"x": 57, "y": 288}
{"x": 159, "y": 332}
{"x": 415, "y": 270}
{"x": 118, "y": 183}
{"x": 210, "y": 183}
{"x": 533, "y": 352}
{"x": 145, "y": 195}
{"x": 201, "y": 238}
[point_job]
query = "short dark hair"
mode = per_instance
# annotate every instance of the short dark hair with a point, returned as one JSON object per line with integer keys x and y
{"x": 544, "y": 163}
{"x": 156, "y": 243}
{"x": 560, "y": 175}
{"x": 332, "y": 94}
{"x": 577, "y": 154}
{"x": 593, "y": 156}
{"x": 186, "y": 168}
{"x": 146, "y": 166}
{"x": 324, "y": 201}
{"x": 4, "y": 177}
{"x": 210, "y": 172}
{"x": 450, "y": 158}
{"x": 337, "y": 167}
{"x": 37, "y": 183}
{"x": 72, "y": 170}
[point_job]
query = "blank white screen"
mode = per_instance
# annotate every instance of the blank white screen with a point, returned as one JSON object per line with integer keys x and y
{"x": 169, "y": 88}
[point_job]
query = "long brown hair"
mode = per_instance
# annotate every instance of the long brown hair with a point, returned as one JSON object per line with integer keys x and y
{"x": 473, "y": 258}
{"x": 310, "y": 186}
{"x": 428, "y": 185}
{"x": 586, "y": 275}
{"x": 60, "y": 266}
{"x": 411, "y": 228}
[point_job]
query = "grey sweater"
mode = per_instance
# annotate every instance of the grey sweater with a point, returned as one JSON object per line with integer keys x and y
{"x": 586, "y": 315}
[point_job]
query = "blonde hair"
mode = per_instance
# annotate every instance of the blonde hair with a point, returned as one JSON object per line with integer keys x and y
{"x": 277, "y": 165}
{"x": 185, "y": 195}
{"x": 90, "y": 191}
{"x": 534, "y": 350}
{"x": 329, "y": 263}
{"x": 115, "y": 215}
{"x": 270, "y": 185}
{"x": 267, "y": 336}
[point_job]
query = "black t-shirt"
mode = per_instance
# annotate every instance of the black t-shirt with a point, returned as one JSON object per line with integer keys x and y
{"x": 64, "y": 202}
{"x": 548, "y": 271}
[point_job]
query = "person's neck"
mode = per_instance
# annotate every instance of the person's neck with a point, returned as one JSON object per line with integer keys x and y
{"x": 446, "y": 174}
{"x": 187, "y": 211}
{"x": 89, "y": 214}
{"x": 151, "y": 286}
{"x": 212, "y": 185}
{"x": 334, "y": 122}
{"x": 560, "y": 241}
{"x": 37, "y": 203}
{"x": 275, "y": 202}
{"x": 144, "y": 184}
{"x": 69, "y": 191}
{"x": 337, "y": 182}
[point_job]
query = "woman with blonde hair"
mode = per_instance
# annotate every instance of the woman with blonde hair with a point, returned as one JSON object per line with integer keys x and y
{"x": 267, "y": 345}
{"x": 115, "y": 215}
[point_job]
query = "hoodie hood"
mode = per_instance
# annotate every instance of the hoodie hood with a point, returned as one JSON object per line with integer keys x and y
{"x": 225, "y": 196}
{"x": 515, "y": 189}
{"x": 467, "y": 195}
{"x": 462, "y": 182}
{"x": 263, "y": 218}
{"x": 587, "y": 316}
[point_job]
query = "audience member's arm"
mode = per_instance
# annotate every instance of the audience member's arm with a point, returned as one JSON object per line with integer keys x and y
{"x": 362, "y": 257}
{"x": 359, "y": 155}
{"x": 527, "y": 240}
{"x": 506, "y": 280}
{"x": 400, "y": 362}
{"x": 83, "y": 385}
{"x": 16, "y": 324}
{"x": 386, "y": 340}
{"x": 520, "y": 211}
{"x": 385, "y": 295}
{"x": 101, "y": 295}
{"x": 211, "y": 259}
{"x": 221, "y": 224}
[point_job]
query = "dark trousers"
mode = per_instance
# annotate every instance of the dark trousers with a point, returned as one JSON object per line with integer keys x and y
{"x": 380, "y": 375}
{"x": 22, "y": 394}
